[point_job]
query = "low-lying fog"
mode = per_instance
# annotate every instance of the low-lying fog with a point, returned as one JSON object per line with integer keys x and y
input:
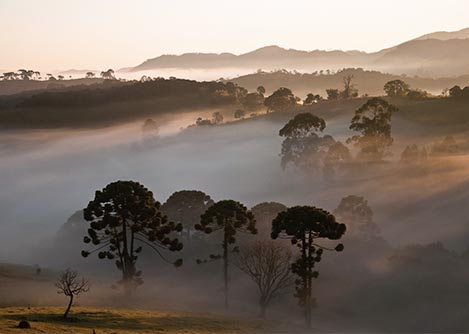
{"x": 47, "y": 176}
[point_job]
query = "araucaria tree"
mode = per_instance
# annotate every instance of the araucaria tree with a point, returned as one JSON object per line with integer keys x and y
{"x": 123, "y": 217}
{"x": 268, "y": 265}
{"x": 185, "y": 207}
{"x": 70, "y": 285}
{"x": 302, "y": 145}
{"x": 373, "y": 121}
{"x": 229, "y": 217}
{"x": 304, "y": 225}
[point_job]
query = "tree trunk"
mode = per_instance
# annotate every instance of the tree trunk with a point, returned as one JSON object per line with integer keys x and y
{"x": 128, "y": 275}
{"x": 306, "y": 255}
{"x": 70, "y": 302}
{"x": 263, "y": 306}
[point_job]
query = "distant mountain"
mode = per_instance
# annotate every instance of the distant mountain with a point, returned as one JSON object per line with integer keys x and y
{"x": 445, "y": 35}
{"x": 429, "y": 57}
{"x": 433, "y": 55}
{"x": 267, "y": 57}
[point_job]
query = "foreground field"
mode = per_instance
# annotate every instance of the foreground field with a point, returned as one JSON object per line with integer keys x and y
{"x": 85, "y": 320}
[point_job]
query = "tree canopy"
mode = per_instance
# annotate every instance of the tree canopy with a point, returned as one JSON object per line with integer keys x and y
{"x": 281, "y": 100}
{"x": 230, "y": 217}
{"x": 303, "y": 225}
{"x": 123, "y": 217}
{"x": 302, "y": 145}
{"x": 373, "y": 121}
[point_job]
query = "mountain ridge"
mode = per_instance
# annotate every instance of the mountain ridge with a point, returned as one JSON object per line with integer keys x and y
{"x": 428, "y": 54}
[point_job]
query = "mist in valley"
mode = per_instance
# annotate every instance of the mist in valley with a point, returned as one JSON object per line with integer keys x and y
{"x": 47, "y": 176}
{"x": 273, "y": 168}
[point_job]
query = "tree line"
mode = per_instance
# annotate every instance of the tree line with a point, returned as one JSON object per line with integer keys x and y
{"x": 124, "y": 219}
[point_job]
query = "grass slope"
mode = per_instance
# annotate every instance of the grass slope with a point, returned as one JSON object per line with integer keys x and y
{"x": 84, "y": 320}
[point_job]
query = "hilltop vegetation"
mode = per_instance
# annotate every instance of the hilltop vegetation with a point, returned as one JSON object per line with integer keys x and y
{"x": 367, "y": 82}
{"x": 112, "y": 102}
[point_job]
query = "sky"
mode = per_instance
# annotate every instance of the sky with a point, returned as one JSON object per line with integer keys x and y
{"x": 100, "y": 34}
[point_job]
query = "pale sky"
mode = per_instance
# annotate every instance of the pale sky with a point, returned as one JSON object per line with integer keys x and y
{"x": 98, "y": 34}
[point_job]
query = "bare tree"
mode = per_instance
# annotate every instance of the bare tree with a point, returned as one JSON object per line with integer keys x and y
{"x": 268, "y": 265}
{"x": 349, "y": 89}
{"x": 69, "y": 285}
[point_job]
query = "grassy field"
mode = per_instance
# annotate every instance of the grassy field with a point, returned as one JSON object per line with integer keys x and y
{"x": 85, "y": 320}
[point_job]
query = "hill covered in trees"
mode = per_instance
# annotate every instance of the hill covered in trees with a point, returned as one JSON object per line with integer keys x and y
{"x": 367, "y": 82}
{"x": 112, "y": 102}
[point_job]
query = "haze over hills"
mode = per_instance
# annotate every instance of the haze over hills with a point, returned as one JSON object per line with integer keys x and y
{"x": 428, "y": 55}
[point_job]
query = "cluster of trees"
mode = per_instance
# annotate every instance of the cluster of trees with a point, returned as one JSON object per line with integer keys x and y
{"x": 306, "y": 147}
{"x": 458, "y": 92}
{"x": 413, "y": 154}
{"x": 23, "y": 74}
{"x": 131, "y": 100}
{"x": 349, "y": 91}
{"x": 124, "y": 218}
{"x": 398, "y": 88}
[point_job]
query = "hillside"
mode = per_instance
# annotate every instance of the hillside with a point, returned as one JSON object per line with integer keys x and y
{"x": 367, "y": 82}
{"x": 111, "y": 102}
{"x": 9, "y": 87}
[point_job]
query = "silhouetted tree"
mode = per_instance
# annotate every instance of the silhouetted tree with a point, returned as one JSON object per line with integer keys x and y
{"x": 60, "y": 77}
{"x": 455, "y": 91}
{"x": 261, "y": 90}
{"x": 123, "y": 215}
{"x": 416, "y": 94}
{"x": 239, "y": 113}
{"x": 25, "y": 74}
{"x": 355, "y": 212}
{"x": 90, "y": 75}
{"x": 9, "y": 76}
{"x": 281, "y": 100}
{"x": 185, "y": 207}
{"x": 229, "y": 217}
{"x": 396, "y": 88}
{"x": 303, "y": 225}
{"x": 268, "y": 265}
{"x": 349, "y": 89}
{"x": 311, "y": 99}
{"x": 253, "y": 101}
{"x": 373, "y": 121}
{"x": 302, "y": 145}
{"x": 332, "y": 94}
{"x": 109, "y": 74}
{"x": 70, "y": 286}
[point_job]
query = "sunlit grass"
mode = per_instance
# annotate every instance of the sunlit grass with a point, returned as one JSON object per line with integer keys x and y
{"x": 84, "y": 320}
